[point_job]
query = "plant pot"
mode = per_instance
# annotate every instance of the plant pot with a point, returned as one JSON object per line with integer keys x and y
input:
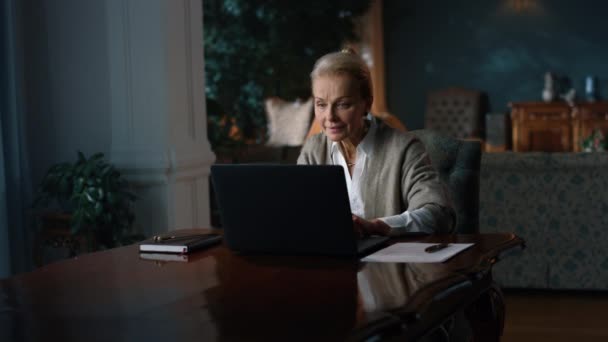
{"x": 55, "y": 238}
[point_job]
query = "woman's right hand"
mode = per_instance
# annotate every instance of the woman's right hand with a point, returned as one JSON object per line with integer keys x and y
{"x": 365, "y": 227}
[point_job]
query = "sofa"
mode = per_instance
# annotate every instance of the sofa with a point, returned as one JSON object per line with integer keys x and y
{"x": 558, "y": 203}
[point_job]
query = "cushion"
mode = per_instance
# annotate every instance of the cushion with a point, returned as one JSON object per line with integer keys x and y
{"x": 288, "y": 122}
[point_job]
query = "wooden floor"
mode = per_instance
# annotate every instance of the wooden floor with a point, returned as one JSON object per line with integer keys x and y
{"x": 556, "y": 316}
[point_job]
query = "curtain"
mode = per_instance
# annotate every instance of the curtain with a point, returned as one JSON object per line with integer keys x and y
{"x": 15, "y": 189}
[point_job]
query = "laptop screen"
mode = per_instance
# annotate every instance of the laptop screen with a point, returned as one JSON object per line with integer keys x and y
{"x": 287, "y": 209}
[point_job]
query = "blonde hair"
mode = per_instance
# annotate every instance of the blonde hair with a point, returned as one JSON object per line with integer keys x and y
{"x": 345, "y": 62}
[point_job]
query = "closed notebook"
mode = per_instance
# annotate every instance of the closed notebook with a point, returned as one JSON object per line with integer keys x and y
{"x": 180, "y": 244}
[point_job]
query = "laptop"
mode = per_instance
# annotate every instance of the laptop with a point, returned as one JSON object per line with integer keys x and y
{"x": 288, "y": 209}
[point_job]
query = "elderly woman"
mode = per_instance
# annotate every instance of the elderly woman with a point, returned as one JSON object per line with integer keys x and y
{"x": 392, "y": 186}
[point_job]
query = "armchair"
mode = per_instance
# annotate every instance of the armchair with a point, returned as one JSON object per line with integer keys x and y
{"x": 458, "y": 163}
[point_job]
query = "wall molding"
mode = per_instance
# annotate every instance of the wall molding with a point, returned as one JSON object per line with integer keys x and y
{"x": 162, "y": 165}
{"x": 194, "y": 201}
{"x": 127, "y": 53}
{"x": 189, "y": 79}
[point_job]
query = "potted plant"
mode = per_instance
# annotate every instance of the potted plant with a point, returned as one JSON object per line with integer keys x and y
{"x": 92, "y": 197}
{"x": 595, "y": 142}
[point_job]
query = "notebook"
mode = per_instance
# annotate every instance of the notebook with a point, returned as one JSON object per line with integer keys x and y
{"x": 287, "y": 209}
{"x": 180, "y": 243}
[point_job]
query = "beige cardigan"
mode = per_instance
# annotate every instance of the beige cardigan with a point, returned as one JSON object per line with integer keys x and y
{"x": 400, "y": 175}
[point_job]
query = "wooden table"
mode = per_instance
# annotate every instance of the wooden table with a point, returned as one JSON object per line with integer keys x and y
{"x": 218, "y": 295}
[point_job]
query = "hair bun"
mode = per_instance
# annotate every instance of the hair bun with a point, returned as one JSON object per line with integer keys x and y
{"x": 348, "y": 50}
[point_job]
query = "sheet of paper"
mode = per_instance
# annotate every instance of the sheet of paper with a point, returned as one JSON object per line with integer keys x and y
{"x": 414, "y": 252}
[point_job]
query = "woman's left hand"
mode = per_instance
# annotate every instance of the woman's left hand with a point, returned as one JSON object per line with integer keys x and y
{"x": 370, "y": 227}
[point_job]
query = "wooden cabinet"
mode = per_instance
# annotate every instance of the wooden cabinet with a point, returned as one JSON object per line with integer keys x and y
{"x": 555, "y": 126}
{"x": 539, "y": 126}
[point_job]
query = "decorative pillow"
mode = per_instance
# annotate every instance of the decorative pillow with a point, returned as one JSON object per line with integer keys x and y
{"x": 288, "y": 122}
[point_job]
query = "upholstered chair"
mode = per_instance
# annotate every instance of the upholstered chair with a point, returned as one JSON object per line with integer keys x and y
{"x": 458, "y": 163}
{"x": 454, "y": 112}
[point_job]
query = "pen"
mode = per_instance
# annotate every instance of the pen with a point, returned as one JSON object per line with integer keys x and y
{"x": 161, "y": 238}
{"x": 435, "y": 248}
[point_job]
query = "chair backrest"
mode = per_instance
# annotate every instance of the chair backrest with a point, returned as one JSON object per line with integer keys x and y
{"x": 458, "y": 163}
{"x": 454, "y": 112}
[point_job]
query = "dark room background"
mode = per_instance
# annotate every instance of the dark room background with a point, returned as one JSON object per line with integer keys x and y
{"x": 500, "y": 47}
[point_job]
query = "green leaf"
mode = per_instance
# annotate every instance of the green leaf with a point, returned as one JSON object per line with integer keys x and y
{"x": 79, "y": 169}
{"x": 89, "y": 198}
{"x": 93, "y": 191}
{"x": 64, "y": 186}
{"x": 78, "y": 185}
{"x": 88, "y": 169}
{"x": 76, "y": 222}
{"x": 75, "y": 197}
{"x": 105, "y": 170}
{"x": 111, "y": 198}
{"x": 97, "y": 156}
{"x": 98, "y": 209}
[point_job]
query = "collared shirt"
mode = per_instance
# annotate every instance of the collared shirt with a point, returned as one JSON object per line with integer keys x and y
{"x": 418, "y": 220}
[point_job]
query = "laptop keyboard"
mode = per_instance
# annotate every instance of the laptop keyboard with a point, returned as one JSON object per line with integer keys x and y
{"x": 370, "y": 244}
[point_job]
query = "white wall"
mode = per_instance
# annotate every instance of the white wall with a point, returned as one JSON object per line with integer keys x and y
{"x": 66, "y": 71}
{"x": 123, "y": 77}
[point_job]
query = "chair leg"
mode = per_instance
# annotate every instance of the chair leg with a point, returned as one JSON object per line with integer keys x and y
{"x": 487, "y": 315}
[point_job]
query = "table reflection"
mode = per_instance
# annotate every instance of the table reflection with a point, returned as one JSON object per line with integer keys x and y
{"x": 283, "y": 298}
{"x": 389, "y": 286}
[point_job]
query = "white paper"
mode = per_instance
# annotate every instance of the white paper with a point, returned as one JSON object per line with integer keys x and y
{"x": 414, "y": 252}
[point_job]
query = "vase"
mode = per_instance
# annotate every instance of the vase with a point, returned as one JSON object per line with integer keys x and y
{"x": 548, "y": 95}
{"x": 590, "y": 88}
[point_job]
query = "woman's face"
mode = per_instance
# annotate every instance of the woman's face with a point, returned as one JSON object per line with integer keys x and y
{"x": 339, "y": 106}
